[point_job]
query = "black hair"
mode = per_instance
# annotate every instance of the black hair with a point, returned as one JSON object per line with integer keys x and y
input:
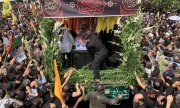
{"x": 2, "y": 93}
{"x": 36, "y": 101}
{"x": 2, "y": 78}
{"x": 174, "y": 66}
{"x": 157, "y": 85}
{"x": 46, "y": 105}
{"x": 177, "y": 99}
{"x": 1, "y": 37}
{"x": 156, "y": 106}
{"x": 12, "y": 94}
{"x": 21, "y": 96}
{"x": 86, "y": 36}
{"x": 100, "y": 88}
{"x": 67, "y": 89}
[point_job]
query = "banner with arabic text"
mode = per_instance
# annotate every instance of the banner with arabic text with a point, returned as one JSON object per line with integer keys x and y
{"x": 87, "y": 8}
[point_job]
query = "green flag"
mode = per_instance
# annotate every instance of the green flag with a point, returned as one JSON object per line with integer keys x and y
{"x": 16, "y": 42}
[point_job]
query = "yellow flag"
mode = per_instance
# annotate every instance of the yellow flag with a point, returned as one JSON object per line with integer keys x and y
{"x": 100, "y": 24}
{"x": 6, "y": 8}
{"x": 33, "y": 8}
{"x": 14, "y": 19}
{"x": 57, "y": 85}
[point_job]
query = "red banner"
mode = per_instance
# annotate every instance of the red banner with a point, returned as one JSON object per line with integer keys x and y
{"x": 87, "y": 8}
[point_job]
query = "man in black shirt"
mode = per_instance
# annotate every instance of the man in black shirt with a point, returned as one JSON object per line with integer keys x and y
{"x": 100, "y": 52}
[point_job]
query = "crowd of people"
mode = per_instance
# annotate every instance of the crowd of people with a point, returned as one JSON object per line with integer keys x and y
{"x": 23, "y": 85}
{"x": 160, "y": 86}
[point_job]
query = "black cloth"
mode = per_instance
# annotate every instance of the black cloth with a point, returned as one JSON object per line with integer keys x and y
{"x": 166, "y": 42}
{"x": 170, "y": 91}
{"x": 174, "y": 105}
{"x": 149, "y": 103}
{"x": 96, "y": 44}
{"x": 71, "y": 101}
{"x": 155, "y": 72}
{"x": 67, "y": 63}
{"x": 100, "y": 54}
{"x": 139, "y": 106}
{"x": 57, "y": 102}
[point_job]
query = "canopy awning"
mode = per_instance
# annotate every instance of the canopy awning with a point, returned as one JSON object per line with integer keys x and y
{"x": 87, "y": 8}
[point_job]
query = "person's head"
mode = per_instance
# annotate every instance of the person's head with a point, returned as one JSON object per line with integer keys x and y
{"x": 66, "y": 88}
{"x": 138, "y": 99}
{"x": 100, "y": 88}
{"x": 88, "y": 32}
{"x": 86, "y": 38}
{"x": 2, "y": 77}
{"x": 9, "y": 86}
{"x": 157, "y": 85}
{"x": 148, "y": 65}
{"x": 160, "y": 96}
{"x": 49, "y": 105}
{"x": 64, "y": 96}
{"x": 12, "y": 94}
{"x": 2, "y": 93}
{"x": 177, "y": 99}
{"x": 26, "y": 82}
{"x": 37, "y": 101}
{"x": 21, "y": 95}
{"x": 18, "y": 68}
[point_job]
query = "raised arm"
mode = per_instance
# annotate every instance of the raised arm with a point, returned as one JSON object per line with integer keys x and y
{"x": 26, "y": 72}
{"x": 139, "y": 81}
{"x": 13, "y": 61}
{"x": 80, "y": 98}
{"x": 176, "y": 75}
{"x": 162, "y": 78}
{"x": 78, "y": 91}
{"x": 169, "y": 101}
{"x": 68, "y": 75}
{"x": 115, "y": 101}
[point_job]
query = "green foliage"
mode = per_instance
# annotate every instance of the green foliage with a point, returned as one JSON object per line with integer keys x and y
{"x": 130, "y": 57}
{"x": 130, "y": 40}
{"x": 124, "y": 74}
{"x": 47, "y": 26}
{"x": 49, "y": 41}
{"x": 84, "y": 76}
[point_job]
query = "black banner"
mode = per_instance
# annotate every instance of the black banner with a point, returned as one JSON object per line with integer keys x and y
{"x": 87, "y": 8}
